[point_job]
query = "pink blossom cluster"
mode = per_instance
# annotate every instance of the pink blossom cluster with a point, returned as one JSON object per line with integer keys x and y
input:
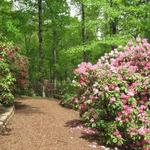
{"x": 134, "y": 58}
{"x": 84, "y": 67}
{"x": 115, "y": 94}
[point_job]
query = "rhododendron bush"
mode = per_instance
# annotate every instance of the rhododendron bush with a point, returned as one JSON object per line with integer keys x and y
{"x": 6, "y": 83}
{"x": 13, "y": 72}
{"x": 114, "y": 95}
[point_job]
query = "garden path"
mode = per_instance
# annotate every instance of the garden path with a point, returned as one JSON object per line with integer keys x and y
{"x": 41, "y": 124}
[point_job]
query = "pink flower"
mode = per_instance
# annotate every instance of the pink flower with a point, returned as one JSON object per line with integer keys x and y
{"x": 143, "y": 131}
{"x": 147, "y": 66}
{"x": 92, "y": 97}
{"x": 83, "y": 97}
{"x": 112, "y": 87}
{"x": 117, "y": 134}
{"x": 76, "y": 100}
{"x": 132, "y": 131}
{"x": 134, "y": 84}
{"x": 127, "y": 110}
{"x": 94, "y": 67}
{"x": 143, "y": 107}
{"x": 106, "y": 88}
{"x": 83, "y": 107}
{"x": 96, "y": 91}
{"x": 117, "y": 89}
{"x": 83, "y": 68}
{"x": 112, "y": 100}
{"x": 131, "y": 93}
{"x": 124, "y": 97}
{"x": 81, "y": 71}
{"x": 118, "y": 119}
{"x": 83, "y": 81}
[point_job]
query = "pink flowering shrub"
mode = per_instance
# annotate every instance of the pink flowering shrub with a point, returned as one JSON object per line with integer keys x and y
{"x": 13, "y": 73}
{"x": 114, "y": 95}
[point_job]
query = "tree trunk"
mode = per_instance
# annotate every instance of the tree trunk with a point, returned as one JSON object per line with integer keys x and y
{"x": 85, "y": 55}
{"x": 54, "y": 56}
{"x": 113, "y": 26}
{"x": 41, "y": 50}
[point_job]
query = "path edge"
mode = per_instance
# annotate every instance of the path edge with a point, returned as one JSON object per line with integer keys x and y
{"x": 5, "y": 117}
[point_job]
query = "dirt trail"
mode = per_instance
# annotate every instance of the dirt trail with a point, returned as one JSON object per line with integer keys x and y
{"x": 40, "y": 124}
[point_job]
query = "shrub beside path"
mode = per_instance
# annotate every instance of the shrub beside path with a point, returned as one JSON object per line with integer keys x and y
{"x": 40, "y": 124}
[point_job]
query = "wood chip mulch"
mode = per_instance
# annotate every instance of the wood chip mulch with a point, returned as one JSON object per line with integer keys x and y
{"x": 42, "y": 124}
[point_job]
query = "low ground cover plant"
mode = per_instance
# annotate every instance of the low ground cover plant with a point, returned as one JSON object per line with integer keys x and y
{"x": 113, "y": 95}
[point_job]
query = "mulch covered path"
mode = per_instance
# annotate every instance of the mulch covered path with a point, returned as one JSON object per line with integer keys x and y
{"x": 40, "y": 124}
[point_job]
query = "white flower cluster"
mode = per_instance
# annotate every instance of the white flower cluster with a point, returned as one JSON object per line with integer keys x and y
{"x": 109, "y": 57}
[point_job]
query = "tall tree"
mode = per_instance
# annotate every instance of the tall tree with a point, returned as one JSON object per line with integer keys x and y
{"x": 41, "y": 50}
{"x": 83, "y": 15}
{"x": 64, "y": 40}
{"x": 56, "y": 20}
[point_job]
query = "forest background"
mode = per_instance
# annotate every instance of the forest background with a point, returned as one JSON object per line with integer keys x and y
{"x": 57, "y": 35}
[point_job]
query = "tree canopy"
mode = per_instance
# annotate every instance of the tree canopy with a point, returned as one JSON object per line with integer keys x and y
{"x": 58, "y": 35}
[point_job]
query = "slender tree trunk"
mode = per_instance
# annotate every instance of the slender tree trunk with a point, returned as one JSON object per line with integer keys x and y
{"x": 54, "y": 56}
{"x": 41, "y": 50}
{"x": 113, "y": 26}
{"x": 50, "y": 68}
{"x": 85, "y": 55}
